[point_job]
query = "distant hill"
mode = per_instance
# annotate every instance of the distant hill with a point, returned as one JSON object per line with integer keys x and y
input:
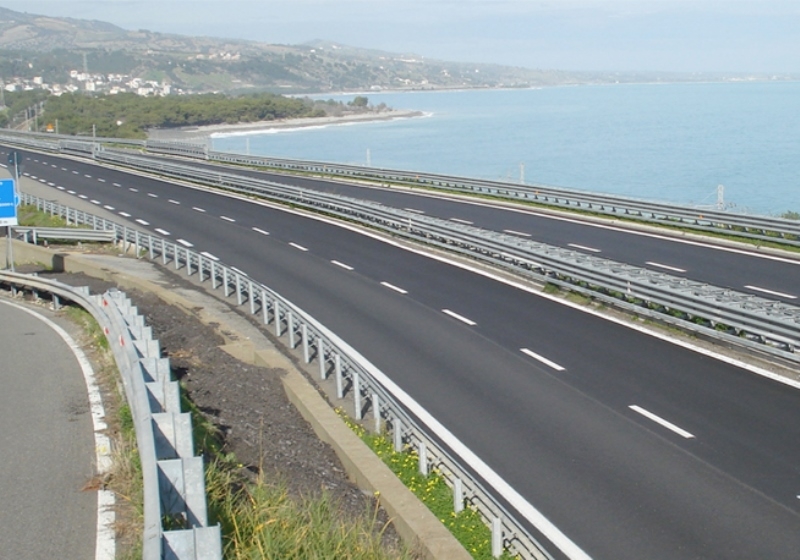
{"x": 48, "y": 47}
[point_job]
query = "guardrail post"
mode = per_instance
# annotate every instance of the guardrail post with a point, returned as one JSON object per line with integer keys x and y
{"x": 213, "y": 275}
{"x": 150, "y": 246}
{"x": 290, "y": 326}
{"x": 136, "y": 241}
{"x": 497, "y": 537}
{"x": 200, "y": 267}
{"x": 250, "y": 297}
{"x": 357, "y": 394}
{"x": 176, "y": 258}
{"x": 225, "y": 288}
{"x": 376, "y": 412}
{"x": 423, "y": 458}
{"x": 264, "y": 307}
{"x": 398, "y": 435}
{"x": 239, "y": 300}
{"x": 321, "y": 357}
{"x": 337, "y": 360}
{"x": 188, "y": 262}
{"x": 458, "y": 495}
{"x": 277, "y": 318}
{"x": 304, "y": 335}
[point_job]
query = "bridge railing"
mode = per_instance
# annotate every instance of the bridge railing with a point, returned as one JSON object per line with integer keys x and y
{"x": 516, "y": 525}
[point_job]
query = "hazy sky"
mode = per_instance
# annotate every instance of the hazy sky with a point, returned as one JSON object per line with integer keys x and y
{"x": 666, "y": 35}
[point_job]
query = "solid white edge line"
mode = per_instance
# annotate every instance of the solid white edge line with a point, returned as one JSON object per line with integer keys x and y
{"x": 460, "y": 221}
{"x": 584, "y": 247}
{"x": 342, "y": 265}
{"x": 665, "y": 266}
{"x": 261, "y": 231}
{"x": 770, "y": 292}
{"x": 105, "y": 543}
{"x": 542, "y": 359}
{"x": 299, "y": 247}
{"x": 658, "y": 420}
{"x": 414, "y": 210}
{"x": 395, "y": 288}
{"x": 458, "y": 317}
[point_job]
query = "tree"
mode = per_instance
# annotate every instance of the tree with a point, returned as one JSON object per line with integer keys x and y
{"x": 359, "y": 101}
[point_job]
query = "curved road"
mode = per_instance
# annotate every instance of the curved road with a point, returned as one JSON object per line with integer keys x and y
{"x": 47, "y": 443}
{"x": 633, "y": 446}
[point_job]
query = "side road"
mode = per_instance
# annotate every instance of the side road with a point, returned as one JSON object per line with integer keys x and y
{"x": 47, "y": 442}
{"x": 412, "y": 520}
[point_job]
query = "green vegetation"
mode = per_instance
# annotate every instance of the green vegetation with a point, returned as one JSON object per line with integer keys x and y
{"x": 467, "y": 526}
{"x": 791, "y": 215}
{"x": 28, "y": 215}
{"x": 260, "y": 519}
{"x": 127, "y": 115}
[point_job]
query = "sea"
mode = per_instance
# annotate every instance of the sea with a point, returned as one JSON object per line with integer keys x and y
{"x": 734, "y": 145}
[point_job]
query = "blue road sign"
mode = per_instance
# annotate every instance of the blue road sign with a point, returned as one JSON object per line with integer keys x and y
{"x": 8, "y": 203}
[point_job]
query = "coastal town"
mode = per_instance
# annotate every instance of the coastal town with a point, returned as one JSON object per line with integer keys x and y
{"x": 83, "y": 81}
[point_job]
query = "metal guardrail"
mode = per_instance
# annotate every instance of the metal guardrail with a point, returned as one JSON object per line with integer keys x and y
{"x": 750, "y": 321}
{"x": 173, "y": 478}
{"x": 33, "y": 234}
{"x": 371, "y": 391}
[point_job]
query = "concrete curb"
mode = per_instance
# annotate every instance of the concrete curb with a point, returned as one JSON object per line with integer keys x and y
{"x": 417, "y": 525}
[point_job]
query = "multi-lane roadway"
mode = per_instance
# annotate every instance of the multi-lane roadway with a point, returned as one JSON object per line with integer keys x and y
{"x": 635, "y": 447}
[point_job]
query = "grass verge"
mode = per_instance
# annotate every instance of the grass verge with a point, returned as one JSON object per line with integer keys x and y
{"x": 467, "y": 526}
{"x": 261, "y": 519}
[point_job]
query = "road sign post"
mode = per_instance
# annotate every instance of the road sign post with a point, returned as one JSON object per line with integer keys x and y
{"x": 8, "y": 215}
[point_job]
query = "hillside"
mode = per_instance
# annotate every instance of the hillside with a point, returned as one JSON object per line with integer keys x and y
{"x": 48, "y": 48}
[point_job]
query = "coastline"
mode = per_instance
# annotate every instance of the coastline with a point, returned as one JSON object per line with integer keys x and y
{"x": 203, "y": 133}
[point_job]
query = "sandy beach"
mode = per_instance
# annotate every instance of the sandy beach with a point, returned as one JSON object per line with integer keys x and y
{"x": 202, "y": 133}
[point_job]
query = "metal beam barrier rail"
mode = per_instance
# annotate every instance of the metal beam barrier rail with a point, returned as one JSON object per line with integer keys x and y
{"x": 173, "y": 479}
{"x": 33, "y": 234}
{"x": 762, "y": 228}
{"x": 759, "y": 324}
{"x": 372, "y": 392}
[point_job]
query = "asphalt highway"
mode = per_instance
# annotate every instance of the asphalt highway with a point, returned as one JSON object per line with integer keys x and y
{"x": 47, "y": 444}
{"x": 745, "y": 271}
{"x": 633, "y": 446}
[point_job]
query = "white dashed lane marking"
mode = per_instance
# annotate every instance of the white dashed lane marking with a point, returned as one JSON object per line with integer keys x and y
{"x": 658, "y": 420}
{"x": 458, "y": 317}
{"x": 299, "y": 247}
{"x": 161, "y": 231}
{"x": 185, "y": 243}
{"x": 261, "y": 231}
{"x": 541, "y": 359}
{"x": 342, "y": 265}
{"x": 393, "y": 287}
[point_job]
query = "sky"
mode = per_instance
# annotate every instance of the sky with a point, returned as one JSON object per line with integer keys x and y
{"x": 758, "y": 36}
